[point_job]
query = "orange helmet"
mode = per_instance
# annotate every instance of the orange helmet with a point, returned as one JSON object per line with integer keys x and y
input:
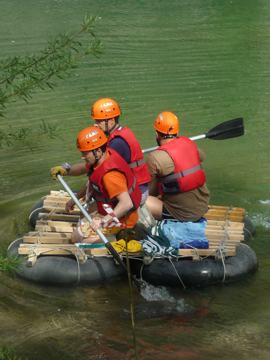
{"x": 90, "y": 138}
{"x": 167, "y": 123}
{"x": 105, "y": 108}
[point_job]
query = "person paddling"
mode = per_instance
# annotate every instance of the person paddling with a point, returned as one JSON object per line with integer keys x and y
{"x": 106, "y": 113}
{"x": 178, "y": 178}
{"x": 111, "y": 182}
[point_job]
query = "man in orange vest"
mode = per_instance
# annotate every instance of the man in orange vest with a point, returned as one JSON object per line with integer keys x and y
{"x": 111, "y": 181}
{"x": 178, "y": 188}
{"x": 106, "y": 113}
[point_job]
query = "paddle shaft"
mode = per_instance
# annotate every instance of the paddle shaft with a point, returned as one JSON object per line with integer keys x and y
{"x": 226, "y": 130}
{"x": 89, "y": 219}
{"x": 198, "y": 137}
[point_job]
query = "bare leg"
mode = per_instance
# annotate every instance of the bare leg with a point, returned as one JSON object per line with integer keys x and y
{"x": 155, "y": 206}
{"x": 76, "y": 237}
{"x": 92, "y": 207}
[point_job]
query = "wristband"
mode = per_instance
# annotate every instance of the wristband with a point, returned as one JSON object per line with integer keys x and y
{"x": 110, "y": 212}
{"x": 66, "y": 166}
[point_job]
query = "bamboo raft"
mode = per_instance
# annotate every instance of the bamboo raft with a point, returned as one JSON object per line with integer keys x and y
{"x": 52, "y": 234}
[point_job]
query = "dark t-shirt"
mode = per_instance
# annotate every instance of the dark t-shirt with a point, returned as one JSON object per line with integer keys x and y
{"x": 122, "y": 147}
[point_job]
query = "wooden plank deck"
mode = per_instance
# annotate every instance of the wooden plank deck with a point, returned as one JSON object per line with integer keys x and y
{"x": 52, "y": 235}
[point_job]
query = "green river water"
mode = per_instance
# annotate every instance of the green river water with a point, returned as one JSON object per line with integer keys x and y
{"x": 206, "y": 60}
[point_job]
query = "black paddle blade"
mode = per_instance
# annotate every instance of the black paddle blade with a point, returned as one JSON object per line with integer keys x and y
{"x": 115, "y": 255}
{"x": 226, "y": 130}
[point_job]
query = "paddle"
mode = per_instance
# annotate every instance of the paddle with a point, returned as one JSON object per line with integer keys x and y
{"x": 226, "y": 130}
{"x": 108, "y": 245}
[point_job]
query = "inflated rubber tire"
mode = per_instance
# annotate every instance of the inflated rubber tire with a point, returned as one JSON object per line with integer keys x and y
{"x": 249, "y": 229}
{"x": 66, "y": 270}
{"x": 34, "y": 213}
{"x": 199, "y": 273}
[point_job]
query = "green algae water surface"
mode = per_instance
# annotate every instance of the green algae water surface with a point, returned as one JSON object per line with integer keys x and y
{"x": 208, "y": 61}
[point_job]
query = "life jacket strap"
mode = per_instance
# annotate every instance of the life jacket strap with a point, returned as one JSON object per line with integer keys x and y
{"x": 135, "y": 164}
{"x": 172, "y": 177}
{"x": 132, "y": 188}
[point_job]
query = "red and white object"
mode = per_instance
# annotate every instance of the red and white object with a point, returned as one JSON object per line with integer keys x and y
{"x": 114, "y": 222}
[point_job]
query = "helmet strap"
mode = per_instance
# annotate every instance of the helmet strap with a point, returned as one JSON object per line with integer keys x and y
{"x": 160, "y": 137}
{"x": 115, "y": 126}
{"x": 106, "y": 130}
{"x": 96, "y": 157}
{"x": 169, "y": 136}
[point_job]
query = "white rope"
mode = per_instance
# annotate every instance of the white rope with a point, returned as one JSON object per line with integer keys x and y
{"x": 141, "y": 270}
{"x": 32, "y": 247}
{"x": 13, "y": 242}
{"x": 222, "y": 245}
{"x": 77, "y": 261}
{"x": 179, "y": 277}
{"x": 249, "y": 232}
{"x": 32, "y": 212}
{"x": 221, "y": 251}
{"x": 78, "y": 269}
